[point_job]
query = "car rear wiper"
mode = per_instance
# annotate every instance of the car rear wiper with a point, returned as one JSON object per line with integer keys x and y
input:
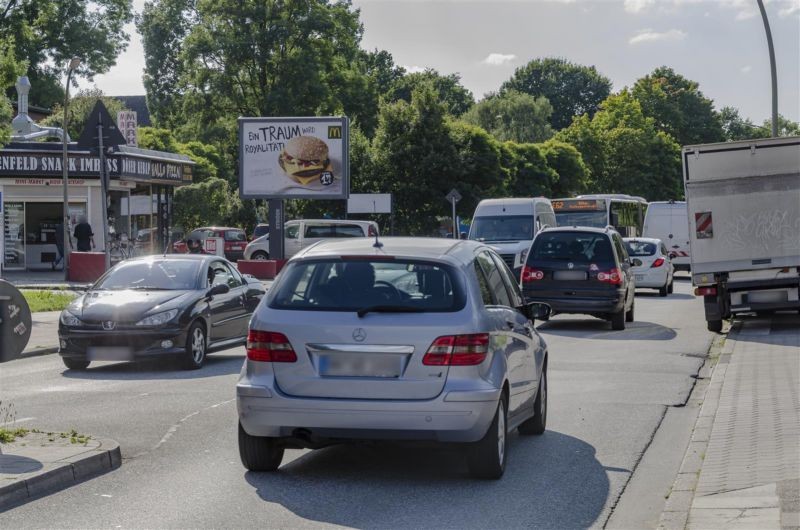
{"x": 388, "y": 309}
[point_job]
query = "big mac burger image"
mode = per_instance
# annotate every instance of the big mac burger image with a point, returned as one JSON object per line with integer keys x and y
{"x": 305, "y": 158}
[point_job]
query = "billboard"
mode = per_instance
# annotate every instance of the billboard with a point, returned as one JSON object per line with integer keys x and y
{"x": 294, "y": 158}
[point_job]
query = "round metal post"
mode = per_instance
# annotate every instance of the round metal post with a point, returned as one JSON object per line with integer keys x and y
{"x": 773, "y": 69}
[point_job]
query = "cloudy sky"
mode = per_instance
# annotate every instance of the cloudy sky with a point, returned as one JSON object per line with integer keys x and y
{"x": 719, "y": 43}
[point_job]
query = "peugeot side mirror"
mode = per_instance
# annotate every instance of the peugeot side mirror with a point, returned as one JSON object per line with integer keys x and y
{"x": 219, "y": 288}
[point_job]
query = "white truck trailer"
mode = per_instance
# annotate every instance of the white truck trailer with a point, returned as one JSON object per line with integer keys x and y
{"x": 743, "y": 203}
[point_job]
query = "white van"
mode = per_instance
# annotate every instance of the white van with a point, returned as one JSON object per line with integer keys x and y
{"x": 508, "y": 225}
{"x": 303, "y": 233}
{"x": 669, "y": 222}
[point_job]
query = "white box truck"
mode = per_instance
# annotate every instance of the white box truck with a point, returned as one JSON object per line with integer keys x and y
{"x": 743, "y": 203}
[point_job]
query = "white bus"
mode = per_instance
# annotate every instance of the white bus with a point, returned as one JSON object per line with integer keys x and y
{"x": 623, "y": 212}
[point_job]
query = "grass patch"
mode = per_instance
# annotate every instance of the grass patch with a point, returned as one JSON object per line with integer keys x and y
{"x": 9, "y": 435}
{"x": 47, "y": 300}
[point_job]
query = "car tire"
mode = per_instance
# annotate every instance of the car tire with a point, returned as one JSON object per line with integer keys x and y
{"x": 196, "y": 345}
{"x": 629, "y": 313}
{"x": 259, "y": 255}
{"x": 715, "y": 325}
{"x": 487, "y": 457}
{"x": 538, "y": 422}
{"x": 75, "y": 364}
{"x": 259, "y": 453}
{"x": 671, "y": 287}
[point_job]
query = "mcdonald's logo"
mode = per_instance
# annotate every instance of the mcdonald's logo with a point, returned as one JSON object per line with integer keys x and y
{"x": 334, "y": 132}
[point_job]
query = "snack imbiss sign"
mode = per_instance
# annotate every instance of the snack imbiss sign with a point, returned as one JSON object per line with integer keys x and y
{"x": 297, "y": 158}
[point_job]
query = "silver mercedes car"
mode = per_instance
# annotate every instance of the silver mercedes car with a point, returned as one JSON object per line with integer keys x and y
{"x": 397, "y": 339}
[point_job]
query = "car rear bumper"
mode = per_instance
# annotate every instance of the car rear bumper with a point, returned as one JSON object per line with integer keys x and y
{"x": 578, "y": 304}
{"x": 450, "y": 417}
{"x": 651, "y": 278}
{"x": 141, "y": 343}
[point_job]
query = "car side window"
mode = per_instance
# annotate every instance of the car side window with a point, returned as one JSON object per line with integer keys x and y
{"x": 292, "y": 231}
{"x": 224, "y": 274}
{"x": 664, "y": 250}
{"x": 512, "y": 286}
{"x": 483, "y": 284}
{"x": 621, "y": 252}
{"x": 495, "y": 280}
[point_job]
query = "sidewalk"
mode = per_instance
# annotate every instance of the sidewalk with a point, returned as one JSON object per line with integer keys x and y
{"x": 42, "y": 280}
{"x": 742, "y": 466}
{"x": 44, "y": 333}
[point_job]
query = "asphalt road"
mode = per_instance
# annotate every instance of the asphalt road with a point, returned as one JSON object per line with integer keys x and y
{"x": 608, "y": 394}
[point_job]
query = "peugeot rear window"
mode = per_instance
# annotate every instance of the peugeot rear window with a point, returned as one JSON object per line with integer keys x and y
{"x": 355, "y": 284}
{"x": 640, "y": 248}
{"x": 575, "y": 247}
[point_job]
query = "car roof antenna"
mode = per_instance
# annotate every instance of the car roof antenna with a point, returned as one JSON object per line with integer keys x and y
{"x": 377, "y": 243}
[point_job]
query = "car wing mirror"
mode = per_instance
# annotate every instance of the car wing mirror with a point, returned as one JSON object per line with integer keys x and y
{"x": 220, "y": 288}
{"x": 534, "y": 310}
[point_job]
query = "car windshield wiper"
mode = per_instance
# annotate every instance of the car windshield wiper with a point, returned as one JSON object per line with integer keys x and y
{"x": 388, "y": 309}
{"x": 148, "y": 288}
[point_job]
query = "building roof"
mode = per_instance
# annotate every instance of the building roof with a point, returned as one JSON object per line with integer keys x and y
{"x": 137, "y": 104}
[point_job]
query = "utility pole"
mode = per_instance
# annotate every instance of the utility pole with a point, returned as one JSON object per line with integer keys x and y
{"x": 773, "y": 69}
{"x": 104, "y": 191}
{"x": 67, "y": 246}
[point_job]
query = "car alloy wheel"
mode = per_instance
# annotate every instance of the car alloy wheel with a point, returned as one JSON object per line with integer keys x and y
{"x": 260, "y": 256}
{"x": 195, "y": 354}
{"x": 198, "y": 345}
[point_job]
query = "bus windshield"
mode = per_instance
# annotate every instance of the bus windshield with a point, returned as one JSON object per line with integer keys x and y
{"x": 502, "y": 228}
{"x": 593, "y": 219}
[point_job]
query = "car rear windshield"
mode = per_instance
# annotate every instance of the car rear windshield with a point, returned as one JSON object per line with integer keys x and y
{"x": 641, "y": 248}
{"x": 235, "y": 235}
{"x": 164, "y": 274}
{"x": 576, "y": 247}
{"x": 355, "y": 284}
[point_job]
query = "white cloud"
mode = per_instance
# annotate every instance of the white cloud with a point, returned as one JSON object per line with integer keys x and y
{"x": 413, "y": 69}
{"x": 648, "y": 35}
{"x": 746, "y": 69}
{"x": 497, "y": 59}
{"x": 790, "y": 8}
{"x": 637, "y": 6}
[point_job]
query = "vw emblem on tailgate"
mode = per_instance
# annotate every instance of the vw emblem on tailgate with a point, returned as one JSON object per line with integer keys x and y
{"x": 570, "y": 266}
{"x": 359, "y": 335}
{"x": 109, "y": 325}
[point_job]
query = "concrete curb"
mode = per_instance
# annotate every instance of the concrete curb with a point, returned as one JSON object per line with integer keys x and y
{"x": 675, "y": 515}
{"x": 64, "y": 473}
{"x": 35, "y": 352}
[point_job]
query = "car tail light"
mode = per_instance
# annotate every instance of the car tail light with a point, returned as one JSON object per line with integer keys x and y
{"x": 705, "y": 291}
{"x": 457, "y": 350}
{"x": 268, "y": 346}
{"x": 613, "y": 276}
{"x": 657, "y": 263}
{"x": 529, "y": 274}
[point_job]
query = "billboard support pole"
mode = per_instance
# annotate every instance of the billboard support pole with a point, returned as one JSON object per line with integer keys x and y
{"x": 276, "y": 215}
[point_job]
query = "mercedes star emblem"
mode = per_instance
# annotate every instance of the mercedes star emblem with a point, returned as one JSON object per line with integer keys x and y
{"x": 359, "y": 335}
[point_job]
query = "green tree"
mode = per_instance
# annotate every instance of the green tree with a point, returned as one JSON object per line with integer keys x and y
{"x": 451, "y": 92}
{"x": 513, "y": 116}
{"x": 209, "y": 163}
{"x": 571, "y": 89}
{"x": 572, "y": 175}
{"x": 786, "y": 127}
{"x": 48, "y": 33}
{"x": 624, "y": 151}
{"x": 477, "y": 170}
{"x": 205, "y": 203}
{"x": 10, "y": 69}
{"x": 80, "y": 106}
{"x": 157, "y": 139}
{"x": 528, "y": 174}
{"x": 678, "y": 107}
{"x": 734, "y": 127}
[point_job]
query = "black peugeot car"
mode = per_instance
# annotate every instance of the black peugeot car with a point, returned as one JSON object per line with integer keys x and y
{"x": 176, "y": 305}
{"x": 581, "y": 270}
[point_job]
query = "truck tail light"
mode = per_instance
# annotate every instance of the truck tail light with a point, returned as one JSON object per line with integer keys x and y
{"x": 613, "y": 277}
{"x": 657, "y": 263}
{"x": 529, "y": 274}
{"x": 268, "y": 346}
{"x": 705, "y": 291}
{"x": 457, "y": 350}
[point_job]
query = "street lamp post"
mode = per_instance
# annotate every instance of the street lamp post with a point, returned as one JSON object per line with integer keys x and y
{"x": 773, "y": 69}
{"x": 73, "y": 64}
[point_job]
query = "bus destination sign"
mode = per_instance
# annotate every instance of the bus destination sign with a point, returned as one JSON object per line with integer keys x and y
{"x": 579, "y": 205}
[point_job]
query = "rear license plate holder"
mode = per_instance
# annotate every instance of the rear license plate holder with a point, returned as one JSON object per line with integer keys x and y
{"x": 569, "y": 275}
{"x": 360, "y": 365}
{"x": 109, "y": 353}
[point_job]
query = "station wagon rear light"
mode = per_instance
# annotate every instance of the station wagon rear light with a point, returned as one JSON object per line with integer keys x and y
{"x": 529, "y": 274}
{"x": 268, "y": 346}
{"x": 657, "y": 263}
{"x": 457, "y": 350}
{"x": 613, "y": 277}
{"x": 705, "y": 291}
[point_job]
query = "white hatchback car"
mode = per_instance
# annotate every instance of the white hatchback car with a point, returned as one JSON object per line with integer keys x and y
{"x": 415, "y": 339}
{"x": 654, "y": 269}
